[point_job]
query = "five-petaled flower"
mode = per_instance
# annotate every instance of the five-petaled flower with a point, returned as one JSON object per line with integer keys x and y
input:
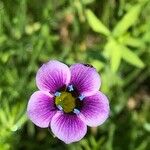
{"x": 68, "y": 100}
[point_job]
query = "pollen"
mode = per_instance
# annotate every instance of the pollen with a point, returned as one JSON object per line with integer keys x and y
{"x": 66, "y": 101}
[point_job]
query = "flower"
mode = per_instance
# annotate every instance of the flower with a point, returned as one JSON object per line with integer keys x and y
{"x": 68, "y": 100}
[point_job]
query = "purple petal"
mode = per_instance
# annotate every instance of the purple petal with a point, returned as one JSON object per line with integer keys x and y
{"x": 41, "y": 108}
{"x": 68, "y": 128}
{"x": 52, "y": 76}
{"x": 95, "y": 109}
{"x": 85, "y": 79}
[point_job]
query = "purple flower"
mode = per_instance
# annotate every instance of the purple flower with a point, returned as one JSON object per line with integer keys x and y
{"x": 68, "y": 100}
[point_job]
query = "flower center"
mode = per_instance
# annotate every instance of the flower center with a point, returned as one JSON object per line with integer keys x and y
{"x": 66, "y": 101}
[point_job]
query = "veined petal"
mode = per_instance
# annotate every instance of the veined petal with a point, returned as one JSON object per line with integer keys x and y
{"x": 95, "y": 109}
{"x": 85, "y": 78}
{"x": 41, "y": 108}
{"x": 52, "y": 76}
{"x": 68, "y": 128}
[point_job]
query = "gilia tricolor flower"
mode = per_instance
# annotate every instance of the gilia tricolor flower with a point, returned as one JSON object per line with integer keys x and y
{"x": 68, "y": 100}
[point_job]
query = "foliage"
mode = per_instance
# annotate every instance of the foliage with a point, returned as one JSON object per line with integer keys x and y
{"x": 113, "y": 36}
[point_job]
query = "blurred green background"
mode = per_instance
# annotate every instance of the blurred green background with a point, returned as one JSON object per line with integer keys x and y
{"x": 111, "y": 35}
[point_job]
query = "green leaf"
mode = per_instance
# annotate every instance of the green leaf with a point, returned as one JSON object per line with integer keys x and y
{"x": 128, "y": 20}
{"x": 131, "y": 57}
{"x": 133, "y": 42}
{"x": 113, "y": 50}
{"x": 115, "y": 57}
{"x": 96, "y": 24}
{"x": 86, "y": 2}
{"x": 146, "y": 37}
{"x": 98, "y": 64}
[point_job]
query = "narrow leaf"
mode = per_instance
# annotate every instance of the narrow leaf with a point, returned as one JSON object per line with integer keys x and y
{"x": 131, "y": 57}
{"x": 113, "y": 51}
{"x": 96, "y": 24}
{"x": 115, "y": 57}
{"x": 128, "y": 20}
{"x": 133, "y": 42}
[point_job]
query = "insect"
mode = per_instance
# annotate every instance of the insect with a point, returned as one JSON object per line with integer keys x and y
{"x": 88, "y": 65}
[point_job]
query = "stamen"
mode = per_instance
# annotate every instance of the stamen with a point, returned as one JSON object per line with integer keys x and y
{"x": 76, "y": 111}
{"x": 70, "y": 88}
{"x": 81, "y": 97}
{"x": 57, "y": 94}
{"x": 59, "y": 107}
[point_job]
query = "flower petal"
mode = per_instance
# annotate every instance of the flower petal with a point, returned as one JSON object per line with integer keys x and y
{"x": 95, "y": 109}
{"x": 68, "y": 128}
{"x": 52, "y": 76}
{"x": 41, "y": 108}
{"x": 85, "y": 78}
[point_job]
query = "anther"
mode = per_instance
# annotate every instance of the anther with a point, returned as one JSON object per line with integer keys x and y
{"x": 59, "y": 107}
{"x": 70, "y": 88}
{"x": 57, "y": 94}
{"x": 81, "y": 97}
{"x": 76, "y": 111}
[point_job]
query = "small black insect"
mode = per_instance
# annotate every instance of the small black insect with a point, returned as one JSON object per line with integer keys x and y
{"x": 88, "y": 65}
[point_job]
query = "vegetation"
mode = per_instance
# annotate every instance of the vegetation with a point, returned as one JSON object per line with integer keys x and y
{"x": 112, "y": 35}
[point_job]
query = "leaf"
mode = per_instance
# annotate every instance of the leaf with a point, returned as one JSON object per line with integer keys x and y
{"x": 86, "y": 2}
{"x": 131, "y": 57}
{"x": 98, "y": 64}
{"x": 115, "y": 57}
{"x": 96, "y": 24}
{"x": 146, "y": 37}
{"x": 128, "y": 20}
{"x": 133, "y": 42}
{"x": 113, "y": 50}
